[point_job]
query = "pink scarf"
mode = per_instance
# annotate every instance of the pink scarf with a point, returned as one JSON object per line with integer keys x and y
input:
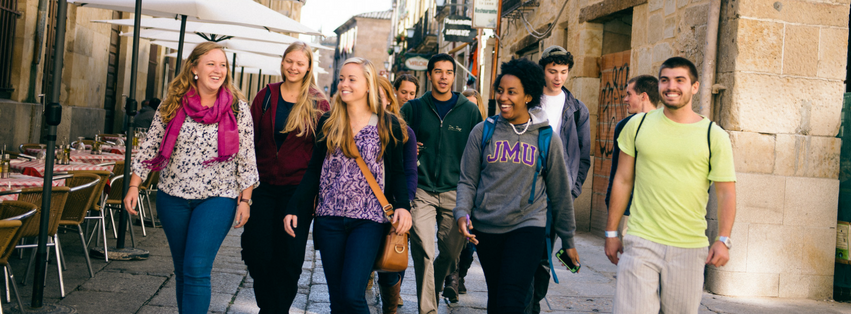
{"x": 220, "y": 112}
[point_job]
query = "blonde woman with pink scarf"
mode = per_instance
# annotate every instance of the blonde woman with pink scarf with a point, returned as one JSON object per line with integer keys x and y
{"x": 202, "y": 141}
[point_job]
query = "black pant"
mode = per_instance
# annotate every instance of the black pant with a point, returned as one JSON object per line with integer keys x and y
{"x": 508, "y": 261}
{"x": 465, "y": 260}
{"x": 274, "y": 259}
{"x": 541, "y": 283}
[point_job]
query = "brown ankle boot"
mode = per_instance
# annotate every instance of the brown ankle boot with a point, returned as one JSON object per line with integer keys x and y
{"x": 390, "y": 297}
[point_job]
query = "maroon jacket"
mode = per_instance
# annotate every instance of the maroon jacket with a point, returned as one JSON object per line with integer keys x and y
{"x": 287, "y": 165}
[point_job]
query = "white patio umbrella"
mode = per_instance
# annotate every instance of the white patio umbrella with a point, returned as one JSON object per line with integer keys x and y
{"x": 234, "y": 12}
{"x": 259, "y": 47}
{"x": 269, "y": 65}
{"x": 210, "y": 31}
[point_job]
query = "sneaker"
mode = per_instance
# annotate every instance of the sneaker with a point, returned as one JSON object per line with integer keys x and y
{"x": 461, "y": 288}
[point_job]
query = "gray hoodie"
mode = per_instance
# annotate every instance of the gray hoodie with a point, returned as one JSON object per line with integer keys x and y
{"x": 494, "y": 188}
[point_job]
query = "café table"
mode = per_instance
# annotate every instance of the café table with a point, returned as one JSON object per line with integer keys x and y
{"x": 19, "y": 181}
{"x": 36, "y": 167}
{"x": 88, "y": 157}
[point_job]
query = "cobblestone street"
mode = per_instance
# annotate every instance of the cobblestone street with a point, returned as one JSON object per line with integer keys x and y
{"x": 148, "y": 287}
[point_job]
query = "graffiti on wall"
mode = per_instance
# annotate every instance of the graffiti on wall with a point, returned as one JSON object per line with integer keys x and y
{"x": 612, "y": 107}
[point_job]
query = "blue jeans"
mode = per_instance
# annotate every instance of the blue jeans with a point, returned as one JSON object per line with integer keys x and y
{"x": 195, "y": 230}
{"x": 348, "y": 248}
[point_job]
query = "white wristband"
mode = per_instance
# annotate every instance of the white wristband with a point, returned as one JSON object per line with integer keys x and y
{"x": 611, "y": 234}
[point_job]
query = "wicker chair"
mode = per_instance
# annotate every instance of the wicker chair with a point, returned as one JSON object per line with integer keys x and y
{"x": 23, "y": 148}
{"x": 145, "y": 190}
{"x": 14, "y": 155}
{"x": 83, "y": 193}
{"x": 114, "y": 201}
{"x": 22, "y": 212}
{"x": 95, "y": 212}
{"x": 57, "y": 203}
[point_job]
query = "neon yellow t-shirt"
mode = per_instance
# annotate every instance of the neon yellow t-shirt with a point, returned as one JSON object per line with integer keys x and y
{"x": 672, "y": 177}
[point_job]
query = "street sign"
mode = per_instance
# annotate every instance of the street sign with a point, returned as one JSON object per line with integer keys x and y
{"x": 485, "y": 13}
{"x": 458, "y": 28}
{"x": 416, "y": 63}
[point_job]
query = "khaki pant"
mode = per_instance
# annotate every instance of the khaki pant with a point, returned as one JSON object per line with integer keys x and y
{"x": 656, "y": 278}
{"x": 430, "y": 210}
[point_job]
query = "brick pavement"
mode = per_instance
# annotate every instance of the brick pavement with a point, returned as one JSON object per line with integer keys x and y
{"x": 147, "y": 287}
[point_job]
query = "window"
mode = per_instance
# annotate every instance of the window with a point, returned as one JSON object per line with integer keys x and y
{"x": 8, "y": 19}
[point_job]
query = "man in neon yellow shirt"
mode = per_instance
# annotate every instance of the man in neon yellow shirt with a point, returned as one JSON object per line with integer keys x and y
{"x": 681, "y": 153}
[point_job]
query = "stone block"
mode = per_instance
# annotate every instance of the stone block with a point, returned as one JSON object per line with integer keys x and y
{"x": 797, "y": 11}
{"x": 759, "y": 45}
{"x": 654, "y": 5}
{"x": 771, "y": 247}
{"x": 661, "y": 52}
{"x": 832, "y": 53}
{"x": 800, "y": 45}
{"x": 588, "y": 66}
{"x": 587, "y": 90}
{"x": 639, "y": 25}
{"x": 655, "y": 22}
{"x": 753, "y": 152}
{"x": 826, "y": 100}
{"x": 741, "y": 284}
{"x": 811, "y": 202}
{"x": 670, "y": 25}
{"x": 643, "y": 64}
{"x": 818, "y": 251}
{"x": 591, "y": 40}
{"x": 806, "y": 286}
{"x": 670, "y": 7}
{"x": 759, "y": 198}
{"x": 810, "y": 156}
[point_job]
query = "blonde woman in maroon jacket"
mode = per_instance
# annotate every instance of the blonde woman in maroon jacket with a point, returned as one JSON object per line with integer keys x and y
{"x": 285, "y": 116}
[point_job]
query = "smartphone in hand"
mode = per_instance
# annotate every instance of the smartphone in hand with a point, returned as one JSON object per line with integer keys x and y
{"x": 564, "y": 259}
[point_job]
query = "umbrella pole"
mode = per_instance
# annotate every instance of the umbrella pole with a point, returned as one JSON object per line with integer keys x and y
{"x": 120, "y": 252}
{"x": 52, "y": 117}
{"x": 259, "y": 80}
{"x": 241, "y": 76}
{"x": 233, "y": 69}
{"x": 179, "y": 44}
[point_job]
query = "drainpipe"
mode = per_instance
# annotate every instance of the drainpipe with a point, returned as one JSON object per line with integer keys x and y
{"x": 707, "y": 77}
{"x": 38, "y": 49}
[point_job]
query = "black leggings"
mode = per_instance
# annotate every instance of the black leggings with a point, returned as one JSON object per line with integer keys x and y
{"x": 508, "y": 261}
{"x": 274, "y": 258}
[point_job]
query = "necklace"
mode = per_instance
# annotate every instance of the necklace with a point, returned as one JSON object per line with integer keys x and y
{"x": 524, "y": 129}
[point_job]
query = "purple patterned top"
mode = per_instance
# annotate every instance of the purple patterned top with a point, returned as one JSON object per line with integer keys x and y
{"x": 343, "y": 190}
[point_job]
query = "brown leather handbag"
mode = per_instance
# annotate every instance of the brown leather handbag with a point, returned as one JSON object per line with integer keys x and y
{"x": 393, "y": 254}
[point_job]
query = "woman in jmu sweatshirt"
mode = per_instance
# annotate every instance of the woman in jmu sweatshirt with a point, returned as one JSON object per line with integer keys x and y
{"x": 494, "y": 209}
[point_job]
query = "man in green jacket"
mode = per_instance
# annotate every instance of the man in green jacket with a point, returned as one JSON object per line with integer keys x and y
{"x": 442, "y": 121}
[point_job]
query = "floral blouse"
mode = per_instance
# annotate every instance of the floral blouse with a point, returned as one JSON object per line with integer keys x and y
{"x": 186, "y": 176}
{"x": 343, "y": 189}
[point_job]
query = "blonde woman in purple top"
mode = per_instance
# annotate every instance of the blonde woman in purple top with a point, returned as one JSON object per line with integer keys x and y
{"x": 350, "y": 223}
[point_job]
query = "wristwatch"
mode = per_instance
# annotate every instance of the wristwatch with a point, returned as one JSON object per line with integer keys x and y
{"x": 727, "y": 242}
{"x": 247, "y": 201}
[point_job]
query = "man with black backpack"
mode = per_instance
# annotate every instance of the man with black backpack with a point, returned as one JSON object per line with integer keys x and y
{"x": 442, "y": 121}
{"x": 568, "y": 117}
{"x": 664, "y": 252}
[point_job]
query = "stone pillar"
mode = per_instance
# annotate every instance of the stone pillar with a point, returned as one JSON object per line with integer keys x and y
{"x": 783, "y": 63}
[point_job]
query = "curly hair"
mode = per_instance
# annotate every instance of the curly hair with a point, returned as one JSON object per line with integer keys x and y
{"x": 180, "y": 85}
{"x": 531, "y": 77}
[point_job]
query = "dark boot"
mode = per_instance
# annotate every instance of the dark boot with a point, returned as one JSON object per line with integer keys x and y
{"x": 450, "y": 287}
{"x": 390, "y": 297}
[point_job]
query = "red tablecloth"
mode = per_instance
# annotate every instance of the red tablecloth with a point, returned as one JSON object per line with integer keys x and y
{"x": 88, "y": 157}
{"x": 36, "y": 168}
{"x": 20, "y": 181}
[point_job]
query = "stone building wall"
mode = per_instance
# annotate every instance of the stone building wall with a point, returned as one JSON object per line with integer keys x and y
{"x": 783, "y": 65}
{"x": 371, "y": 42}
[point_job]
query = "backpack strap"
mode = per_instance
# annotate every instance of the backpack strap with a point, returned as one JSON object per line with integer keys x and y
{"x": 709, "y": 143}
{"x": 487, "y": 132}
{"x": 267, "y": 100}
{"x": 544, "y": 136}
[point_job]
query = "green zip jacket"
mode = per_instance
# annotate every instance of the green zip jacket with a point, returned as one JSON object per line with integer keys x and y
{"x": 443, "y": 140}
